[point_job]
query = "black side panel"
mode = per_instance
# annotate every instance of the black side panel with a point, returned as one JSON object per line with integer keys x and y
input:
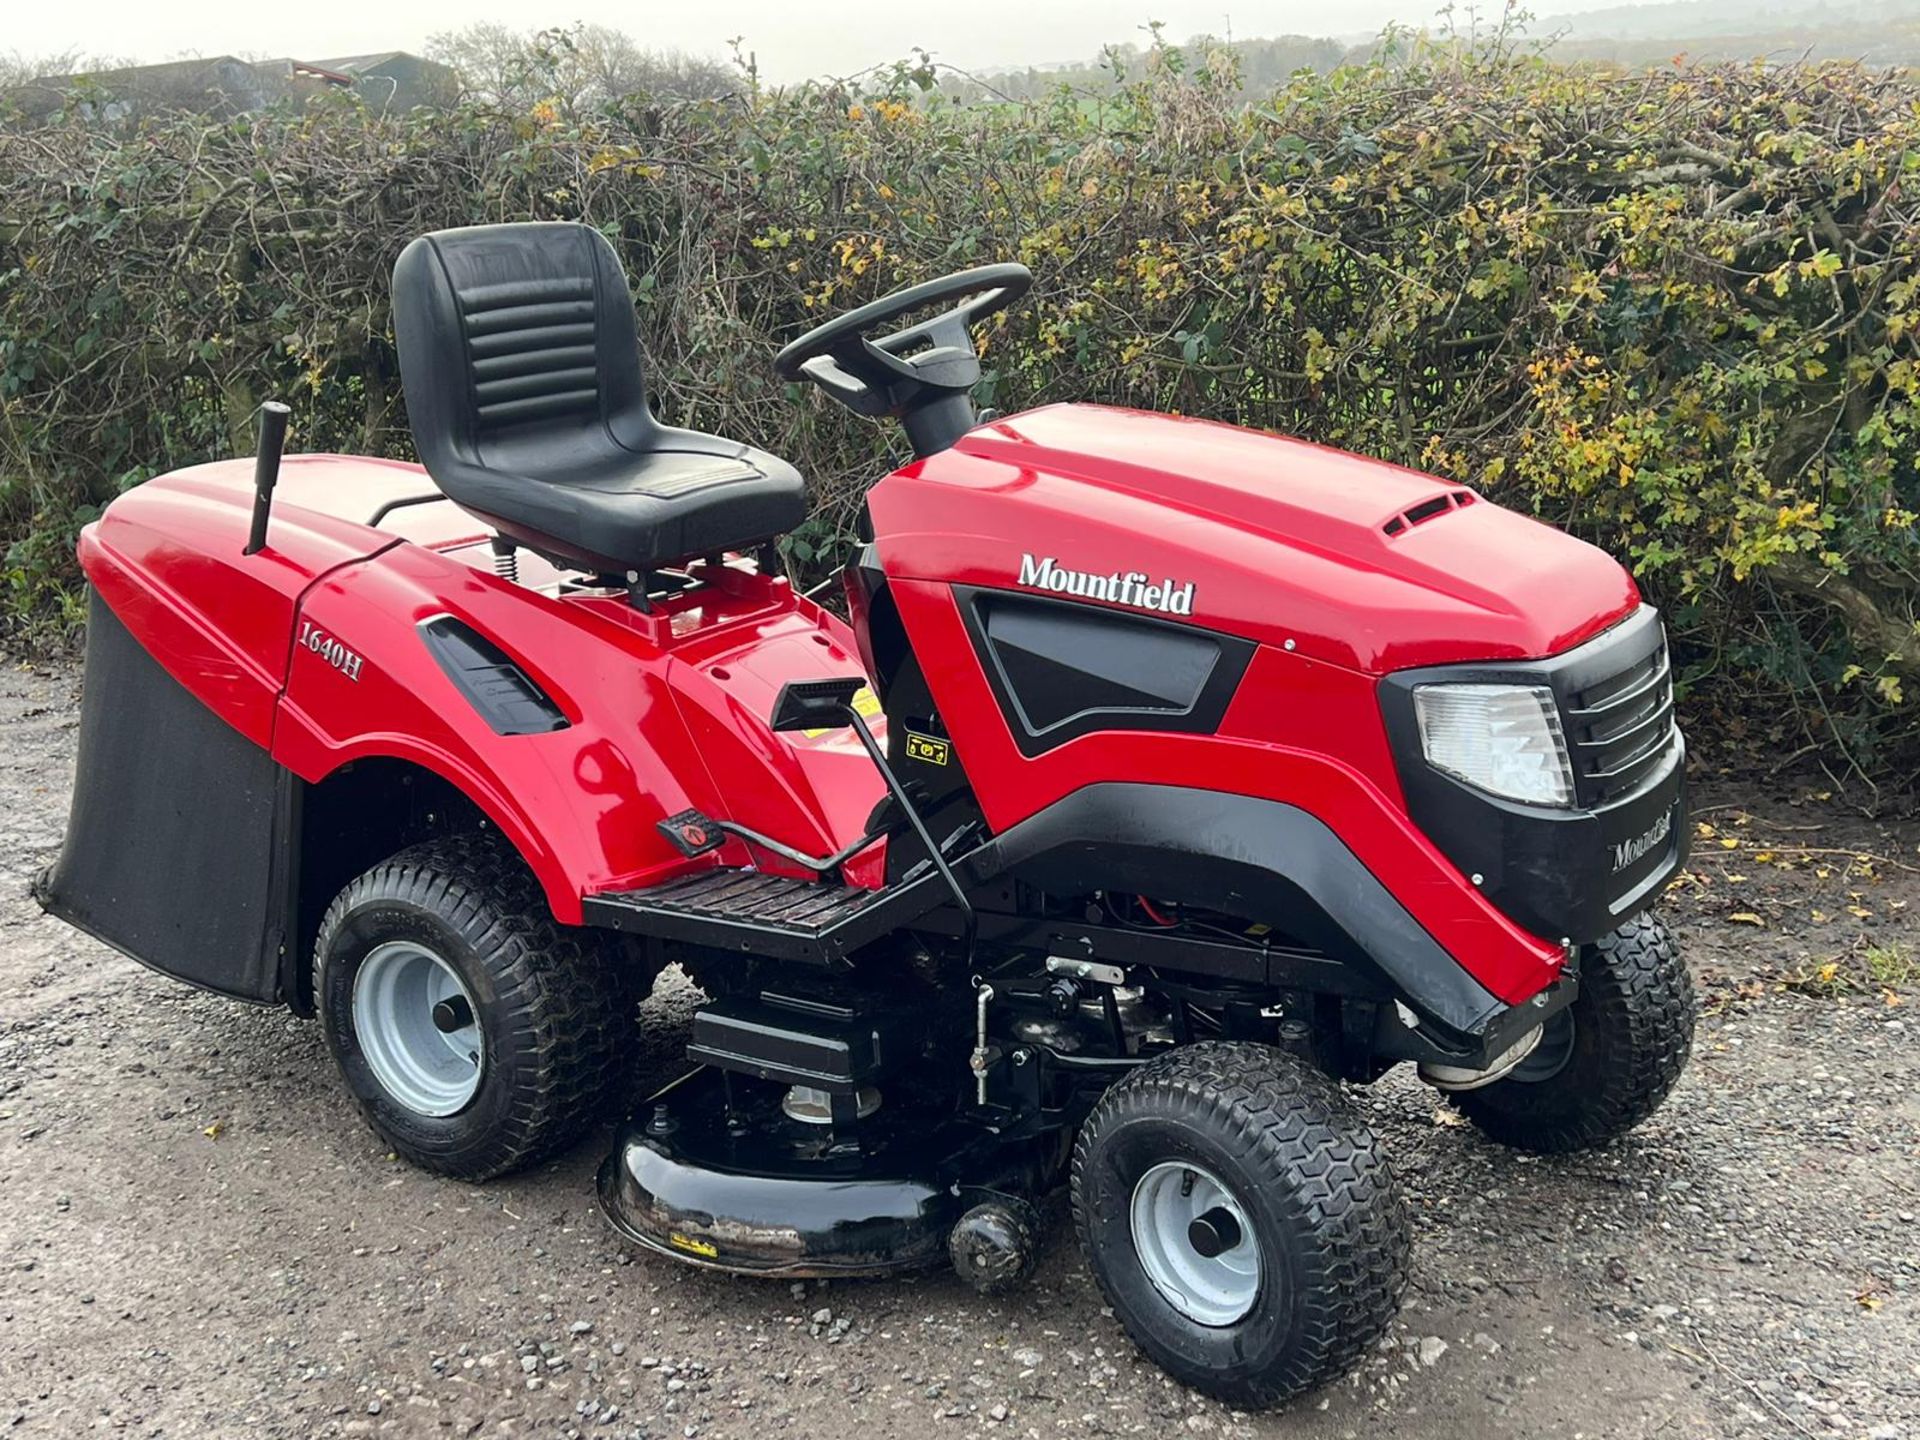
{"x": 1258, "y": 859}
{"x": 178, "y": 841}
{"x": 507, "y": 700}
{"x": 1062, "y": 670}
{"x": 1576, "y": 873}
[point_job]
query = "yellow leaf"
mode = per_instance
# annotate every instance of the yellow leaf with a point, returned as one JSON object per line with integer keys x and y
{"x": 1728, "y": 842}
{"x": 1859, "y": 912}
{"x": 1746, "y": 917}
{"x": 212, "y": 1132}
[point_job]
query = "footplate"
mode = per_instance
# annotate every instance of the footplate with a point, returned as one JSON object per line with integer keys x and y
{"x": 772, "y": 915}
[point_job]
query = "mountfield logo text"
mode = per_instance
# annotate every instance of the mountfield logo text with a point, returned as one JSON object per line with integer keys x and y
{"x": 1120, "y": 588}
{"x": 1631, "y": 852}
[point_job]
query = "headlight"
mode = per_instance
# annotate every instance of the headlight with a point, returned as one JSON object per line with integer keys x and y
{"x": 1504, "y": 739}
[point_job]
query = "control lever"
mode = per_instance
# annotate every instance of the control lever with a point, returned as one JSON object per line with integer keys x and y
{"x": 828, "y": 705}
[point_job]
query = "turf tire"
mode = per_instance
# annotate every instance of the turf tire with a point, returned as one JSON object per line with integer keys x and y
{"x": 1323, "y": 1205}
{"x": 556, "y": 1005}
{"x": 1632, "y": 1029}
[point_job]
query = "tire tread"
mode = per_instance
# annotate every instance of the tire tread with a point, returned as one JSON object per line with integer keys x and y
{"x": 1636, "y": 988}
{"x": 1296, "y": 1127}
{"x": 568, "y": 998}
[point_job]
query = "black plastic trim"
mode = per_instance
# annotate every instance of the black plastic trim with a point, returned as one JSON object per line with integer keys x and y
{"x": 497, "y": 688}
{"x": 1261, "y": 860}
{"x": 1573, "y": 873}
{"x": 1184, "y": 676}
{"x": 878, "y": 633}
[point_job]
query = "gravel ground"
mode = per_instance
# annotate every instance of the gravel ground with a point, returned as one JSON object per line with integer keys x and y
{"x": 199, "y": 1237}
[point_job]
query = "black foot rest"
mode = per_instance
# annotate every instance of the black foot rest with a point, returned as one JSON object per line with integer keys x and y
{"x": 768, "y": 915}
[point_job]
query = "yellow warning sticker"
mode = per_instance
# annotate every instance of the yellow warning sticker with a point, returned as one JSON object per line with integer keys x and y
{"x": 928, "y": 749}
{"x": 692, "y": 1246}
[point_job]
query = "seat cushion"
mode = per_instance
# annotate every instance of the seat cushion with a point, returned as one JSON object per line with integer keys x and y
{"x": 637, "y": 511}
{"x": 521, "y": 363}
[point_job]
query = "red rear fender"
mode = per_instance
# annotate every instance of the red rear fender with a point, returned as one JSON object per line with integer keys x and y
{"x": 167, "y": 558}
{"x": 312, "y": 649}
{"x": 650, "y": 731}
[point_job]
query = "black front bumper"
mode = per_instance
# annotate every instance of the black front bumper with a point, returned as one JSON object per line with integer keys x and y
{"x": 1570, "y": 874}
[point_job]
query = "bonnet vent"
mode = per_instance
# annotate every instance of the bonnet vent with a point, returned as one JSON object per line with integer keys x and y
{"x": 1427, "y": 510}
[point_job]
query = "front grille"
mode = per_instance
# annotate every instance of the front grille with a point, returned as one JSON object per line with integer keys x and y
{"x": 1620, "y": 728}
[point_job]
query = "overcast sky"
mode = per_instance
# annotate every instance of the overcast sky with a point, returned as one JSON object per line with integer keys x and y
{"x": 793, "y": 38}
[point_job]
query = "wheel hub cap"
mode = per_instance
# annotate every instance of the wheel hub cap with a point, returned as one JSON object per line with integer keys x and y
{"x": 1195, "y": 1244}
{"x": 416, "y": 1026}
{"x": 1214, "y": 1233}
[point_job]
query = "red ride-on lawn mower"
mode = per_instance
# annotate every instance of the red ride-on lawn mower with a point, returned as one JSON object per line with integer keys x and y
{"x": 1166, "y": 776}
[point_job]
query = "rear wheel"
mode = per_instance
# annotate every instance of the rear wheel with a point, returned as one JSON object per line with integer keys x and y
{"x": 1241, "y": 1221}
{"x": 1608, "y": 1060}
{"x": 476, "y": 1033}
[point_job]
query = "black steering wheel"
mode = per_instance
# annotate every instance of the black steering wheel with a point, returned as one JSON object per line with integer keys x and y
{"x": 913, "y": 372}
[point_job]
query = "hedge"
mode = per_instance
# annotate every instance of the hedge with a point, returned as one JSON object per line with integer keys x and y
{"x": 1674, "y": 311}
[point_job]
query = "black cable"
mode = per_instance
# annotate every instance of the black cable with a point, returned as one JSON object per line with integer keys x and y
{"x": 970, "y": 923}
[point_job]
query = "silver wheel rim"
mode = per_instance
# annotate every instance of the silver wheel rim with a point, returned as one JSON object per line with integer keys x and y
{"x": 428, "y": 1070}
{"x": 1213, "y": 1290}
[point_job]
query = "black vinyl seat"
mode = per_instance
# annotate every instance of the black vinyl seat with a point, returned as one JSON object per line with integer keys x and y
{"x": 521, "y": 362}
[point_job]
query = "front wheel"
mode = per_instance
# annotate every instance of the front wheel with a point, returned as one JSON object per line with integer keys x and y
{"x": 1240, "y": 1220}
{"x": 1606, "y": 1061}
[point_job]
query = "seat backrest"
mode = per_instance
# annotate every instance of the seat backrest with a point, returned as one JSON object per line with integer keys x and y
{"x": 518, "y": 350}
